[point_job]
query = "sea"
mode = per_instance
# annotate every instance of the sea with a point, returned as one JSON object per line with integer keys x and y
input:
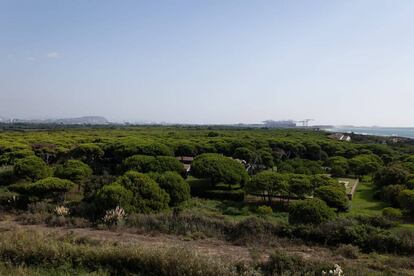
{"x": 378, "y": 131}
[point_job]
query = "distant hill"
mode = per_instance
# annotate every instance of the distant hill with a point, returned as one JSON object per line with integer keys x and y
{"x": 86, "y": 120}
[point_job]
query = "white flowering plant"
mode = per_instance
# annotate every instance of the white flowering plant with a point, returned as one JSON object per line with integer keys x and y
{"x": 337, "y": 271}
{"x": 61, "y": 211}
{"x": 114, "y": 216}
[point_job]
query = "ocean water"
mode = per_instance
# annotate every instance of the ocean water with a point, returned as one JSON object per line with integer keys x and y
{"x": 379, "y": 131}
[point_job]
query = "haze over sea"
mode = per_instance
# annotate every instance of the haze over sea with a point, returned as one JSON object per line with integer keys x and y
{"x": 380, "y": 131}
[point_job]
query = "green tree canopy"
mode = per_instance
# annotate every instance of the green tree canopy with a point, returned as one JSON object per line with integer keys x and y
{"x": 299, "y": 185}
{"x": 146, "y": 163}
{"x": 74, "y": 170}
{"x": 147, "y": 194}
{"x": 219, "y": 169}
{"x": 88, "y": 153}
{"x": 390, "y": 175}
{"x": 51, "y": 187}
{"x": 334, "y": 197}
{"x": 173, "y": 183}
{"x": 268, "y": 184}
{"x": 310, "y": 211}
{"x": 31, "y": 167}
{"x": 406, "y": 200}
{"x": 112, "y": 195}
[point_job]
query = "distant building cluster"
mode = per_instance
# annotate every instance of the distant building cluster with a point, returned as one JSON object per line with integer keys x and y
{"x": 279, "y": 124}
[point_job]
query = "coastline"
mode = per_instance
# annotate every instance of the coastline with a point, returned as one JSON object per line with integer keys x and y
{"x": 375, "y": 131}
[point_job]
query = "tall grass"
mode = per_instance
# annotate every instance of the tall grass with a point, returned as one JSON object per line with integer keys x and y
{"x": 33, "y": 249}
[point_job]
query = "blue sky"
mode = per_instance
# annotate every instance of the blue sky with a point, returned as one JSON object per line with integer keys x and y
{"x": 217, "y": 61}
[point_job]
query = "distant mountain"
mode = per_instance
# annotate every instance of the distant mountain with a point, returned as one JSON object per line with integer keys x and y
{"x": 86, "y": 120}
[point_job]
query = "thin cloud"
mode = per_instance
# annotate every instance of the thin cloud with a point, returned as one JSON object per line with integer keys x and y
{"x": 31, "y": 58}
{"x": 53, "y": 55}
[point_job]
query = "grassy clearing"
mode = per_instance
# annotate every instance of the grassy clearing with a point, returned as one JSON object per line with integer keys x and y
{"x": 364, "y": 203}
{"x": 229, "y": 210}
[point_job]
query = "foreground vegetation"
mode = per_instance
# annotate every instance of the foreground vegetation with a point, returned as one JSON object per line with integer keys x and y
{"x": 245, "y": 187}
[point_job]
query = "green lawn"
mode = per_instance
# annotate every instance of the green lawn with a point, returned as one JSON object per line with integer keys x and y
{"x": 363, "y": 201}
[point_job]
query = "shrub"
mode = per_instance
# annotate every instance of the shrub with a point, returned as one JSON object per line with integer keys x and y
{"x": 348, "y": 251}
{"x": 406, "y": 200}
{"x": 232, "y": 211}
{"x": 252, "y": 231}
{"x": 32, "y": 167}
{"x": 280, "y": 263}
{"x": 113, "y": 195}
{"x": 62, "y": 211}
{"x": 177, "y": 188}
{"x": 52, "y": 187}
{"x": 394, "y": 174}
{"x": 334, "y": 197}
{"x": 264, "y": 211}
{"x": 390, "y": 194}
{"x": 147, "y": 194}
{"x": 8, "y": 199}
{"x": 7, "y": 176}
{"x": 310, "y": 211}
{"x": 392, "y": 213}
{"x": 74, "y": 170}
{"x": 182, "y": 224}
{"x": 375, "y": 221}
{"x": 40, "y": 207}
{"x": 114, "y": 216}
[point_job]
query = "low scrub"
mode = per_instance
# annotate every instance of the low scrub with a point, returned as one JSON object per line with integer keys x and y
{"x": 36, "y": 250}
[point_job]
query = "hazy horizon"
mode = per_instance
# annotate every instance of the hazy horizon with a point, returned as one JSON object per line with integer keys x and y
{"x": 209, "y": 62}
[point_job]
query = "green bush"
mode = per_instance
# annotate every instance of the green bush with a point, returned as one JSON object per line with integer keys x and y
{"x": 147, "y": 194}
{"x": 280, "y": 263}
{"x": 110, "y": 196}
{"x": 32, "y": 167}
{"x": 74, "y": 170}
{"x": 391, "y": 175}
{"x": 8, "y": 199}
{"x": 52, "y": 187}
{"x": 334, "y": 197}
{"x": 232, "y": 211}
{"x": 390, "y": 194}
{"x": 310, "y": 211}
{"x": 406, "y": 200}
{"x": 348, "y": 251}
{"x": 264, "y": 211}
{"x": 7, "y": 176}
{"x": 392, "y": 213}
{"x": 177, "y": 188}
